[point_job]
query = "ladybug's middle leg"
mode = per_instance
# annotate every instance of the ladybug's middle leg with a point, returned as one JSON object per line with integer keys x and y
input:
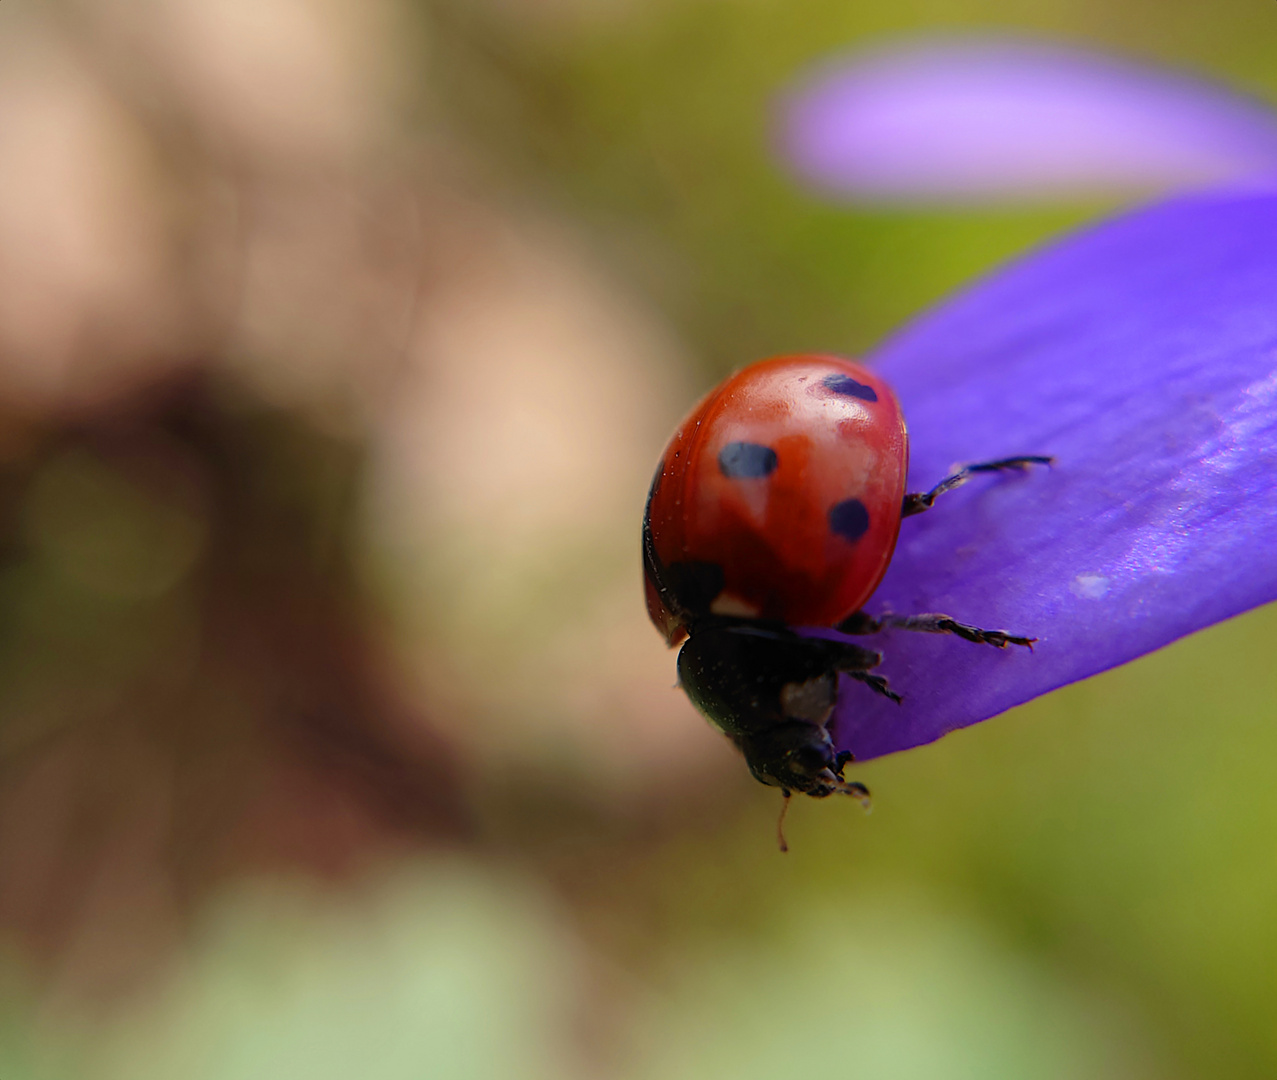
{"x": 917, "y": 502}
{"x": 932, "y": 623}
{"x": 935, "y": 623}
{"x": 859, "y": 622}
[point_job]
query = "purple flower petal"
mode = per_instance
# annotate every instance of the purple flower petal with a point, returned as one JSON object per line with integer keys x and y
{"x": 1143, "y": 355}
{"x": 992, "y": 119}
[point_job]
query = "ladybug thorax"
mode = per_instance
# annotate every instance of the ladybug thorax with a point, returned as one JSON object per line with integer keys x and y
{"x": 779, "y": 497}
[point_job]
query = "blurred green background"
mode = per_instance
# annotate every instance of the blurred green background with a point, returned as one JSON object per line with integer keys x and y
{"x": 337, "y": 342}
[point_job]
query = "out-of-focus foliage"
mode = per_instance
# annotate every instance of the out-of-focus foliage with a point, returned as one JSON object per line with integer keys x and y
{"x": 337, "y": 342}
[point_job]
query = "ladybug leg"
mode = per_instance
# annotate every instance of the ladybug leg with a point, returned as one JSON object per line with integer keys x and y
{"x": 917, "y": 502}
{"x": 935, "y": 623}
{"x": 877, "y": 684}
{"x": 858, "y": 662}
{"x": 859, "y": 622}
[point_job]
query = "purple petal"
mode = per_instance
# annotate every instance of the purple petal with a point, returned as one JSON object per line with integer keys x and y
{"x": 1143, "y": 355}
{"x": 980, "y": 120}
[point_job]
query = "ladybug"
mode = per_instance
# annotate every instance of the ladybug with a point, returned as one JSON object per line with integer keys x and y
{"x": 777, "y": 505}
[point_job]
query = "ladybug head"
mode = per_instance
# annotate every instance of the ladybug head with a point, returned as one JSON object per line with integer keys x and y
{"x": 799, "y": 757}
{"x": 773, "y": 692}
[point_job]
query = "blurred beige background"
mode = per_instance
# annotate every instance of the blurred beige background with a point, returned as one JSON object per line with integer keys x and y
{"x": 337, "y": 344}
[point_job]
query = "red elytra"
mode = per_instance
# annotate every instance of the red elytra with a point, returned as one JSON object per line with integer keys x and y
{"x": 789, "y": 478}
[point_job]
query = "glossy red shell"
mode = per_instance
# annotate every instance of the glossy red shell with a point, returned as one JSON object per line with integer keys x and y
{"x": 836, "y": 437}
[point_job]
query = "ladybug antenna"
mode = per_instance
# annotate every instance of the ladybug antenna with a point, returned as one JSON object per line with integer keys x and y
{"x": 780, "y": 823}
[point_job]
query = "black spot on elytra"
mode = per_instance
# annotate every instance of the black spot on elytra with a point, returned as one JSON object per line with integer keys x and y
{"x": 848, "y": 387}
{"x": 849, "y": 519}
{"x": 747, "y": 460}
{"x": 696, "y": 584}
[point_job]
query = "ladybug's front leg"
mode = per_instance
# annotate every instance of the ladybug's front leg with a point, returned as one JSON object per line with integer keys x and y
{"x": 917, "y": 502}
{"x": 857, "y": 662}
